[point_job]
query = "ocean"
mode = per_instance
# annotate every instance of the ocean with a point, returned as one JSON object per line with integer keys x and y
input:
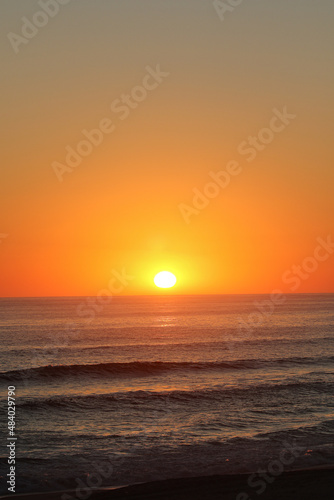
{"x": 144, "y": 388}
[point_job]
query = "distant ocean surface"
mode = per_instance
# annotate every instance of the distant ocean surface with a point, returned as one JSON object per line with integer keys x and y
{"x": 165, "y": 386}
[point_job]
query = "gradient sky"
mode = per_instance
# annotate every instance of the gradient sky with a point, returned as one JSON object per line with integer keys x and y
{"x": 119, "y": 209}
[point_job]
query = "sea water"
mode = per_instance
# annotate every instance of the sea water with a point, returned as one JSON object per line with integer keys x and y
{"x": 148, "y": 388}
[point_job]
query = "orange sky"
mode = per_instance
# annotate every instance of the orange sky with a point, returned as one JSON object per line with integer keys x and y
{"x": 221, "y": 83}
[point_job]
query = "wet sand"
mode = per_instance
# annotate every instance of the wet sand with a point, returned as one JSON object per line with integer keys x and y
{"x": 309, "y": 484}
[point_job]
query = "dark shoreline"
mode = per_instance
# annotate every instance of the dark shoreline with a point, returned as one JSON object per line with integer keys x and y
{"x": 308, "y": 484}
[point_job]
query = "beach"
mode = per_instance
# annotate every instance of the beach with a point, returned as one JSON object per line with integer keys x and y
{"x": 311, "y": 484}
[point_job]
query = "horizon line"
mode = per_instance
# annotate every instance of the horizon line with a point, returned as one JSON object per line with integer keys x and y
{"x": 159, "y": 295}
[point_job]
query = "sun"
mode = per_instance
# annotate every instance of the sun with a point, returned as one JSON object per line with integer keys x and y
{"x": 164, "y": 279}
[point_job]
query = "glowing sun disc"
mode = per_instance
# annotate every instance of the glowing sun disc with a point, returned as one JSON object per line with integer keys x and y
{"x": 165, "y": 279}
